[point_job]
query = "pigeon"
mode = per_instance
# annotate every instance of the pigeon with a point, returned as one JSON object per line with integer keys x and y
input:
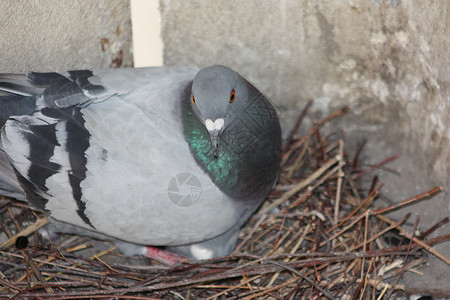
{"x": 163, "y": 156}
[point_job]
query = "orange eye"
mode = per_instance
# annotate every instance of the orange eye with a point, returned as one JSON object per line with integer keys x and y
{"x": 232, "y": 96}
{"x": 193, "y": 100}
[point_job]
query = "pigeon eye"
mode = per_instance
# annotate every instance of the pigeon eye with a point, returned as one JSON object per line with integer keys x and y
{"x": 232, "y": 96}
{"x": 193, "y": 100}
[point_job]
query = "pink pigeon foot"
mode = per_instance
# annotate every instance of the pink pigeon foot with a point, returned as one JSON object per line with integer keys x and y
{"x": 163, "y": 257}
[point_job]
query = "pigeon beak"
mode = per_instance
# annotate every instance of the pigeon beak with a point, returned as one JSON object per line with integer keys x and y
{"x": 214, "y": 129}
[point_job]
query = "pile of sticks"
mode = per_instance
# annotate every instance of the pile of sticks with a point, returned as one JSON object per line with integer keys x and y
{"x": 318, "y": 236}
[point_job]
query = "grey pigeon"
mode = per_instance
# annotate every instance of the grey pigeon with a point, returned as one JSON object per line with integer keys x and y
{"x": 169, "y": 156}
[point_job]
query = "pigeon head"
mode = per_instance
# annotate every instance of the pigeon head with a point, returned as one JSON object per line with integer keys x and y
{"x": 233, "y": 132}
{"x": 218, "y": 95}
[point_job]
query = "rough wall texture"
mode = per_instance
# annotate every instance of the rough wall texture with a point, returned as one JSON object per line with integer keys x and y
{"x": 387, "y": 60}
{"x": 51, "y": 35}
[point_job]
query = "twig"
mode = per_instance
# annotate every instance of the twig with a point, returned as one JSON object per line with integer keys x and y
{"x": 312, "y": 282}
{"x": 416, "y": 223}
{"x": 389, "y": 228}
{"x": 408, "y": 201}
{"x": 433, "y": 228}
{"x": 378, "y": 165}
{"x": 339, "y": 181}
{"x": 26, "y": 232}
{"x": 249, "y": 236}
{"x": 296, "y": 126}
{"x": 404, "y": 233}
{"x": 299, "y": 186}
{"x": 366, "y": 201}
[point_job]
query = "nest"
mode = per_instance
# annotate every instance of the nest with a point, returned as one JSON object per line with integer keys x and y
{"x": 319, "y": 235}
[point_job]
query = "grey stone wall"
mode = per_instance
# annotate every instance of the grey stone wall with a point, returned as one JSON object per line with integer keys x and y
{"x": 387, "y": 60}
{"x": 51, "y": 35}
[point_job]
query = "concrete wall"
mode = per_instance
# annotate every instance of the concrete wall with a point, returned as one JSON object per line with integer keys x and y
{"x": 387, "y": 60}
{"x": 51, "y": 35}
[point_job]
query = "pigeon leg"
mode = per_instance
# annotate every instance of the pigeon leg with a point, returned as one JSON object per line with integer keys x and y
{"x": 162, "y": 256}
{"x": 158, "y": 254}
